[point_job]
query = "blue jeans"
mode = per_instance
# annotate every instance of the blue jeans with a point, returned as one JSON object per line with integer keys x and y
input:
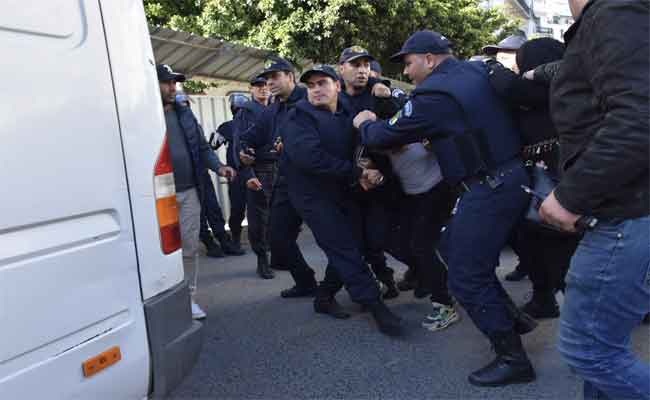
{"x": 607, "y": 296}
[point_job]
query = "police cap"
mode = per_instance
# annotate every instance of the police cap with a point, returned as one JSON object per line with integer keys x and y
{"x": 276, "y": 64}
{"x": 375, "y": 66}
{"x": 258, "y": 80}
{"x": 319, "y": 69}
{"x": 353, "y": 53}
{"x": 422, "y": 42}
{"x": 237, "y": 100}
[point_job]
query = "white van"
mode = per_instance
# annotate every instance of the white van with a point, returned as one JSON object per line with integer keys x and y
{"x": 93, "y": 302}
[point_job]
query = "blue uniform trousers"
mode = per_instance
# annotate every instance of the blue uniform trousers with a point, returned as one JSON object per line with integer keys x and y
{"x": 259, "y": 205}
{"x": 284, "y": 229}
{"x": 476, "y": 235}
{"x": 237, "y": 193}
{"x": 335, "y": 228}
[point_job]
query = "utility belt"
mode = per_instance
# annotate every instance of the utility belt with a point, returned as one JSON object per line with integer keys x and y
{"x": 537, "y": 151}
{"x": 493, "y": 178}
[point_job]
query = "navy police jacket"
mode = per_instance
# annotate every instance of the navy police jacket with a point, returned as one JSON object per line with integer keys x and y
{"x": 319, "y": 150}
{"x": 200, "y": 151}
{"x": 471, "y": 130}
{"x": 269, "y": 126}
{"x": 244, "y": 121}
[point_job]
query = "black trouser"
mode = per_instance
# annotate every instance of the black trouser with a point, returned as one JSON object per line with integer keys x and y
{"x": 237, "y": 193}
{"x": 335, "y": 228}
{"x": 259, "y": 205}
{"x": 211, "y": 213}
{"x": 374, "y": 231}
{"x": 284, "y": 229}
{"x": 424, "y": 216}
{"x": 548, "y": 254}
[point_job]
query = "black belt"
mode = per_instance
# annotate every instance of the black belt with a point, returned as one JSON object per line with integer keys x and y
{"x": 491, "y": 178}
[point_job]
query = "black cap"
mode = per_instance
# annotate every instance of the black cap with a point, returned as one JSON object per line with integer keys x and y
{"x": 276, "y": 64}
{"x": 375, "y": 66}
{"x": 257, "y": 79}
{"x": 165, "y": 74}
{"x": 319, "y": 69}
{"x": 422, "y": 42}
{"x": 511, "y": 43}
{"x": 353, "y": 53}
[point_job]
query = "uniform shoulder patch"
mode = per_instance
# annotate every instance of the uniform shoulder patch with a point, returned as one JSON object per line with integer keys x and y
{"x": 408, "y": 109}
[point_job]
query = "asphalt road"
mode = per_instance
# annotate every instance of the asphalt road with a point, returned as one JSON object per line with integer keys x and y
{"x": 260, "y": 346}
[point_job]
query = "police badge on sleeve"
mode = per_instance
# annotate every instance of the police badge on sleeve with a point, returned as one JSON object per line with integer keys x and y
{"x": 406, "y": 111}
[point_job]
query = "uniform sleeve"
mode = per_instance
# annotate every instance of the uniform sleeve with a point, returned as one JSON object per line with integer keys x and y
{"x": 208, "y": 156}
{"x": 422, "y": 117}
{"x": 254, "y": 133}
{"x": 618, "y": 71}
{"x": 303, "y": 147}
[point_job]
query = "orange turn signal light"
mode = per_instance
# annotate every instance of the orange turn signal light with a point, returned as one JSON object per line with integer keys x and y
{"x": 101, "y": 361}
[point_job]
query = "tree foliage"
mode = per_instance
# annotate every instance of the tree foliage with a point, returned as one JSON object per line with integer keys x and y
{"x": 320, "y": 29}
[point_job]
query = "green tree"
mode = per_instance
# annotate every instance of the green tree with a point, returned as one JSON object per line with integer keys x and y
{"x": 319, "y": 29}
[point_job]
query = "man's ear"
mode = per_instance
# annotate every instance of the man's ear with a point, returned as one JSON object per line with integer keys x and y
{"x": 338, "y": 86}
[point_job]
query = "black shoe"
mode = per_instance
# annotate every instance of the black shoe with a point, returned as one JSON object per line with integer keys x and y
{"x": 542, "y": 306}
{"x": 388, "y": 323}
{"x": 212, "y": 249}
{"x": 263, "y": 269}
{"x": 298, "y": 291}
{"x": 392, "y": 291}
{"x": 280, "y": 267}
{"x": 229, "y": 247}
{"x": 516, "y": 275}
{"x": 421, "y": 292}
{"x": 408, "y": 282}
{"x": 331, "y": 307}
{"x": 511, "y": 364}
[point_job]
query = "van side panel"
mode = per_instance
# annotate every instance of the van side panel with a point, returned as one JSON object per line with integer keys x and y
{"x": 69, "y": 284}
{"x": 143, "y": 130}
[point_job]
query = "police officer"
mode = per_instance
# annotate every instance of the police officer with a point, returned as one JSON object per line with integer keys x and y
{"x": 261, "y": 146}
{"x": 359, "y": 91}
{"x": 477, "y": 147}
{"x": 319, "y": 150}
{"x": 258, "y": 179}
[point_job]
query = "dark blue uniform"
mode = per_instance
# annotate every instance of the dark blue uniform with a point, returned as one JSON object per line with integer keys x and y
{"x": 285, "y": 222}
{"x": 373, "y": 204}
{"x": 318, "y": 154}
{"x": 258, "y": 202}
{"x": 477, "y": 147}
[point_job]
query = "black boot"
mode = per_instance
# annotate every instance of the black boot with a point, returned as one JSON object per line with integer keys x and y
{"x": 325, "y": 303}
{"x": 511, "y": 364}
{"x": 408, "y": 282}
{"x": 236, "y": 237}
{"x": 388, "y": 323}
{"x": 392, "y": 291}
{"x": 523, "y": 323}
{"x": 517, "y": 274}
{"x": 298, "y": 291}
{"x": 228, "y": 246}
{"x": 263, "y": 269}
{"x": 542, "y": 305}
{"x": 212, "y": 248}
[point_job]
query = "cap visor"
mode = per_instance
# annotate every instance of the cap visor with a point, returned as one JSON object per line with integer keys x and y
{"x": 397, "y": 57}
{"x": 307, "y": 74}
{"x": 179, "y": 77}
{"x": 368, "y": 56}
{"x": 491, "y": 49}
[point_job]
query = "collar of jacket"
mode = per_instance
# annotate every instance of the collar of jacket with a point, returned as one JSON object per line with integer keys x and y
{"x": 571, "y": 32}
{"x": 296, "y": 95}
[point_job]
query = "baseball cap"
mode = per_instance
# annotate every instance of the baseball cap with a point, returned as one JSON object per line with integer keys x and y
{"x": 353, "y": 53}
{"x": 511, "y": 43}
{"x": 276, "y": 64}
{"x": 165, "y": 74}
{"x": 422, "y": 42}
{"x": 319, "y": 69}
{"x": 257, "y": 79}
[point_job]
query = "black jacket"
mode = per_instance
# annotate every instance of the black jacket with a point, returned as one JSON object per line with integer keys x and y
{"x": 599, "y": 103}
{"x": 529, "y": 100}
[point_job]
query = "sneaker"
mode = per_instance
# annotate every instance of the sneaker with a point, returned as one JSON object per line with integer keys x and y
{"x": 197, "y": 312}
{"x": 441, "y": 317}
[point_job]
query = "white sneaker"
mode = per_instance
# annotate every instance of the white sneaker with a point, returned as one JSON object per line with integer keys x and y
{"x": 197, "y": 312}
{"x": 441, "y": 317}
